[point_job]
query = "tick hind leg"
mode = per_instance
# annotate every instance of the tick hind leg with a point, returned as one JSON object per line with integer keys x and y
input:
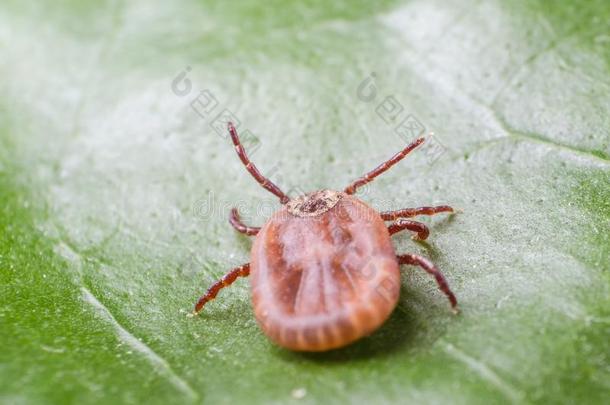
{"x": 431, "y": 269}
{"x": 401, "y": 224}
{"x": 239, "y": 226}
{"x": 413, "y": 212}
{"x": 225, "y": 281}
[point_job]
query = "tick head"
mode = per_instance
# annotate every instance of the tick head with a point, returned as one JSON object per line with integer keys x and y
{"x": 314, "y": 204}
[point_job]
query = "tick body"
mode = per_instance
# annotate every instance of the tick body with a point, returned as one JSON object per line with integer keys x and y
{"x": 323, "y": 271}
{"x": 323, "y": 281}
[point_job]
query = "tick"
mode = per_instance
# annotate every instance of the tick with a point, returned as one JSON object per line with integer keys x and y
{"x": 323, "y": 271}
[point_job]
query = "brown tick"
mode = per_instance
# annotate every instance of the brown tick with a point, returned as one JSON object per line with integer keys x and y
{"x": 323, "y": 269}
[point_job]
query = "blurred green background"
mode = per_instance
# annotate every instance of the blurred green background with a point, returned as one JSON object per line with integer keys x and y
{"x": 115, "y": 191}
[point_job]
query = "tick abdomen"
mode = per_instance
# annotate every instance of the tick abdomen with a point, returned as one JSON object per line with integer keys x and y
{"x": 323, "y": 272}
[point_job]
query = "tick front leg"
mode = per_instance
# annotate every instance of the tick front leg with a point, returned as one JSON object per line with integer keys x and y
{"x": 239, "y": 226}
{"x": 225, "y": 281}
{"x": 413, "y": 212}
{"x": 262, "y": 180}
{"x": 367, "y": 178}
{"x": 401, "y": 224}
{"x": 431, "y": 269}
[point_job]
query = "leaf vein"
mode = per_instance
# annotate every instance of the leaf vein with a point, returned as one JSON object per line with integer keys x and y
{"x": 158, "y": 362}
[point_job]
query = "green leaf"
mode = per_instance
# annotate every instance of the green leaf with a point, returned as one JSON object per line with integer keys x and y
{"x": 115, "y": 195}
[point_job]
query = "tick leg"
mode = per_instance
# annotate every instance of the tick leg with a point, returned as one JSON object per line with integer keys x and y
{"x": 431, "y": 269}
{"x": 367, "y": 178}
{"x": 225, "y": 281}
{"x": 412, "y": 212}
{"x": 262, "y": 180}
{"x": 401, "y": 224}
{"x": 239, "y": 226}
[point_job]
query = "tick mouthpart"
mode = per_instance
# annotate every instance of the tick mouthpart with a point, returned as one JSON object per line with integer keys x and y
{"x": 314, "y": 204}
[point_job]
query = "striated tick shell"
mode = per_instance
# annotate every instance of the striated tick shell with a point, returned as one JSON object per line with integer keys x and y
{"x": 323, "y": 272}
